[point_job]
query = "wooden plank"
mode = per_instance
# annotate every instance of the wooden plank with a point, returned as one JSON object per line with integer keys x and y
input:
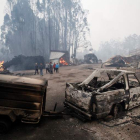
{"x": 21, "y": 97}
{"x": 20, "y": 104}
{"x": 20, "y": 91}
{"x": 22, "y": 87}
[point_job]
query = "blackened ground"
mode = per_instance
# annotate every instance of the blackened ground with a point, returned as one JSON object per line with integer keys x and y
{"x": 68, "y": 127}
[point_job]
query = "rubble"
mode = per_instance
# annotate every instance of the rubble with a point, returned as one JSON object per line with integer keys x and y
{"x": 5, "y": 72}
{"x": 22, "y": 62}
{"x": 116, "y": 61}
{"x": 122, "y": 61}
{"x": 64, "y": 127}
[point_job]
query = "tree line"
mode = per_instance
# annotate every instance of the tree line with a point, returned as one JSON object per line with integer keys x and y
{"x": 35, "y": 27}
{"x": 112, "y": 48}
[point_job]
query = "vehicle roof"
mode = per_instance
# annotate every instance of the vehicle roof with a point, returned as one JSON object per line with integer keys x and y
{"x": 98, "y": 72}
{"x": 21, "y": 80}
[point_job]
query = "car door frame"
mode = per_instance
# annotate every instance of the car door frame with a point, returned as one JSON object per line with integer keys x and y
{"x": 132, "y": 101}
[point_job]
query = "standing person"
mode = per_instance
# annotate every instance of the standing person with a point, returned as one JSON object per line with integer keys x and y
{"x": 36, "y": 68}
{"x": 41, "y": 69}
{"x": 57, "y": 67}
{"x": 47, "y": 68}
{"x": 51, "y": 68}
{"x": 54, "y": 67}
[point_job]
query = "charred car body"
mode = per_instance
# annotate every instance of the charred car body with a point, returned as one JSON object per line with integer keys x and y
{"x": 103, "y": 92}
{"x": 23, "y": 98}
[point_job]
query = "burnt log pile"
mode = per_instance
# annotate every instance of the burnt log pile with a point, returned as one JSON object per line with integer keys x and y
{"x": 5, "y": 72}
{"x": 22, "y": 62}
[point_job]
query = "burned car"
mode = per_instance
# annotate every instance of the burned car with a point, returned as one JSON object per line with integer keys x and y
{"x": 104, "y": 92}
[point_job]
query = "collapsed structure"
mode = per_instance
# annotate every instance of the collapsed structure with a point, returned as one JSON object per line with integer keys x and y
{"x": 22, "y": 62}
{"x": 122, "y": 61}
{"x": 61, "y": 57}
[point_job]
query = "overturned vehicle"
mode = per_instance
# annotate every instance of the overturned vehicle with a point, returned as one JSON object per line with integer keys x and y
{"x": 104, "y": 92}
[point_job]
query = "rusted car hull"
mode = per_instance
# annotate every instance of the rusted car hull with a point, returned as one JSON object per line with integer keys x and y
{"x": 78, "y": 110}
{"x": 98, "y": 98}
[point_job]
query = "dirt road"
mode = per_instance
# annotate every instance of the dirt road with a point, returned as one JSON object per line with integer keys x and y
{"x": 68, "y": 127}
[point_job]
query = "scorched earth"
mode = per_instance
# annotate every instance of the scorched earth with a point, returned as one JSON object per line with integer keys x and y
{"x": 69, "y": 127}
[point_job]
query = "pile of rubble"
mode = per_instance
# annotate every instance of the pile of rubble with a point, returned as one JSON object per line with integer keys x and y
{"x": 22, "y": 62}
{"x": 121, "y": 61}
{"x": 5, "y": 72}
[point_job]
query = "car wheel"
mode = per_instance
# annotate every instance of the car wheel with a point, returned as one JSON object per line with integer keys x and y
{"x": 4, "y": 125}
{"x": 117, "y": 110}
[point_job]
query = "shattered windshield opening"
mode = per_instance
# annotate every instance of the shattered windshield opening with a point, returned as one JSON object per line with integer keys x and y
{"x": 101, "y": 76}
{"x": 102, "y": 79}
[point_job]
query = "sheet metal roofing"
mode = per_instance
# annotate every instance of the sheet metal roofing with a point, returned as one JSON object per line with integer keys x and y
{"x": 56, "y": 55}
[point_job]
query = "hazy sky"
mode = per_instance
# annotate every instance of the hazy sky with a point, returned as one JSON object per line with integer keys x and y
{"x": 112, "y": 19}
{"x": 108, "y": 19}
{"x": 2, "y": 5}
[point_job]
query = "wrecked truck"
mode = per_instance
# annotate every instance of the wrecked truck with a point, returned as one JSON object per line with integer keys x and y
{"x": 104, "y": 92}
{"x": 21, "y": 98}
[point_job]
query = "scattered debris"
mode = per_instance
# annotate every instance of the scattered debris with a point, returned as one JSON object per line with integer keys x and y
{"x": 89, "y": 130}
{"x": 121, "y": 61}
{"x": 5, "y": 72}
{"x": 2, "y": 69}
{"x": 23, "y": 62}
{"x": 116, "y": 61}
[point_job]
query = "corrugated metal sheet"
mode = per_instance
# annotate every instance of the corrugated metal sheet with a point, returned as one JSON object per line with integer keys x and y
{"x": 56, "y": 55}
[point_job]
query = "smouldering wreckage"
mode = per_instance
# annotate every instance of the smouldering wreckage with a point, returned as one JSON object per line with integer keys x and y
{"x": 24, "y": 99}
{"x": 104, "y": 92}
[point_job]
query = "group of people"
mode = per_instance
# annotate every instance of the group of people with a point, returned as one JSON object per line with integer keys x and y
{"x": 50, "y": 68}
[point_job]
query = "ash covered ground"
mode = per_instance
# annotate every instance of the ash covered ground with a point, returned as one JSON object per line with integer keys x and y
{"x": 70, "y": 128}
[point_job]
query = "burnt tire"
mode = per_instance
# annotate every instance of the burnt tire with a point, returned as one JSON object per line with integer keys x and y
{"x": 117, "y": 110}
{"x": 5, "y": 125}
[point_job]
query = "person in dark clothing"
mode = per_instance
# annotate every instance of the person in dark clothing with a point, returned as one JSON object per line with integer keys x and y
{"x": 36, "y": 69}
{"x": 41, "y": 69}
{"x": 51, "y": 68}
{"x": 47, "y": 67}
